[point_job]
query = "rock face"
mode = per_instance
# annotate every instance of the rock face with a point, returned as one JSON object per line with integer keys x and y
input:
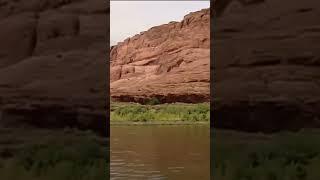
{"x": 170, "y": 62}
{"x": 52, "y": 54}
{"x": 266, "y": 74}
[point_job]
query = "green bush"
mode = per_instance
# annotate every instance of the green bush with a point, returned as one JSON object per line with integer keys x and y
{"x": 286, "y": 156}
{"x": 71, "y": 157}
{"x": 153, "y": 101}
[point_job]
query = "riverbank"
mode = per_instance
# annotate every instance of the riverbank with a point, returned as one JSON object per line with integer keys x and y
{"x": 36, "y": 154}
{"x": 285, "y": 155}
{"x": 158, "y": 123}
{"x": 159, "y": 114}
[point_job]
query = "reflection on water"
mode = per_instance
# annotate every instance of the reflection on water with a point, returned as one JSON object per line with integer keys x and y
{"x": 160, "y": 152}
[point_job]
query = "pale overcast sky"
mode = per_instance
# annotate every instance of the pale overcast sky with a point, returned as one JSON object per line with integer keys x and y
{"x": 128, "y": 18}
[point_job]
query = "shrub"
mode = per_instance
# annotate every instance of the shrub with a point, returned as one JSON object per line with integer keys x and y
{"x": 163, "y": 112}
{"x": 153, "y": 101}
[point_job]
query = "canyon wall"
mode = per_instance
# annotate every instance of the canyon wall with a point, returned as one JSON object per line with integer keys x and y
{"x": 170, "y": 62}
{"x": 266, "y": 74}
{"x": 265, "y": 68}
{"x": 53, "y": 63}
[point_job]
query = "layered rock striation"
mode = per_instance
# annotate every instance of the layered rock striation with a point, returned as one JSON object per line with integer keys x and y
{"x": 266, "y": 74}
{"x": 170, "y": 62}
{"x": 53, "y": 63}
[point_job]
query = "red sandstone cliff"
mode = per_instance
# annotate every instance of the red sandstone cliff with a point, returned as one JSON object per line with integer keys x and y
{"x": 49, "y": 48}
{"x": 170, "y": 62}
{"x": 52, "y": 63}
{"x": 266, "y": 66}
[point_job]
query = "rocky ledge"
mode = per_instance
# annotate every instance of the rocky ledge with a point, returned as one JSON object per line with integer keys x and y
{"x": 170, "y": 62}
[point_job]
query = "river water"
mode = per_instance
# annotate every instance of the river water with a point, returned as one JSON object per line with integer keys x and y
{"x": 179, "y": 152}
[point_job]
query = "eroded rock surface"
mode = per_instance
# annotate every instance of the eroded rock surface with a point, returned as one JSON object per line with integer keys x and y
{"x": 170, "y": 62}
{"x": 53, "y": 54}
{"x": 266, "y": 67}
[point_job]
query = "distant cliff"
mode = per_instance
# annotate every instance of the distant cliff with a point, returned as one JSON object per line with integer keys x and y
{"x": 170, "y": 62}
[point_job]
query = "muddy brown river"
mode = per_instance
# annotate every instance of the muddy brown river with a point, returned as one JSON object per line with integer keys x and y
{"x": 160, "y": 152}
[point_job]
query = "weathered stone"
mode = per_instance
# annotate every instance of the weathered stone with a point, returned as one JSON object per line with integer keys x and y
{"x": 53, "y": 54}
{"x": 266, "y": 67}
{"x": 18, "y": 38}
{"x": 53, "y": 117}
{"x": 170, "y": 62}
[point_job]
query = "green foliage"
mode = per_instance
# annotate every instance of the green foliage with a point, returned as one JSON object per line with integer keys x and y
{"x": 286, "y": 156}
{"x": 164, "y": 112}
{"x": 153, "y": 101}
{"x": 72, "y": 157}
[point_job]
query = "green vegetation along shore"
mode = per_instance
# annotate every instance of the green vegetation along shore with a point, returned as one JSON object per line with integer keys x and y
{"x": 177, "y": 113}
{"x": 281, "y": 156}
{"x": 34, "y": 154}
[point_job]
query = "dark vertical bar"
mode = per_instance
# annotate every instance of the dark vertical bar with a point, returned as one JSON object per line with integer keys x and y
{"x": 212, "y": 86}
{"x": 108, "y": 89}
{"x": 54, "y": 89}
{"x": 266, "y": 96}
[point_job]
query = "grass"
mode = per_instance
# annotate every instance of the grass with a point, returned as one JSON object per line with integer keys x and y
{"x": 133, "y": 112}
{"x": 283, "y": 156}
{"x": 51, "y": 155}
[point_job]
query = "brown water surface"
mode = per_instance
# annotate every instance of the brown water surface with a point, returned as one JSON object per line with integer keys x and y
{"x": 160, "y": 152}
